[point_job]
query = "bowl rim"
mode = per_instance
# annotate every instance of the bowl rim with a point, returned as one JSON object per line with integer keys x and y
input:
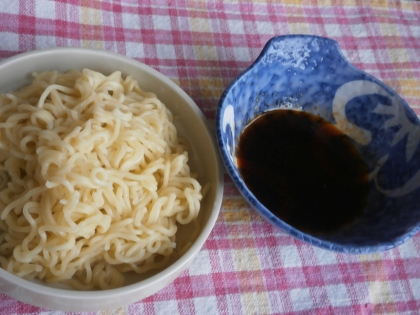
{"x": 182, "y": 262}
{"x": 259, "y": 207}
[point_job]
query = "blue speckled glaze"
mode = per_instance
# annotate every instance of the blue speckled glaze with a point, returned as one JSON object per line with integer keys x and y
{"x": 310, "y": 73}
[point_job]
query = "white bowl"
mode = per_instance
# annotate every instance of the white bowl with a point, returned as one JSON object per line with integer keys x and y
{"x": 203, "y": 159}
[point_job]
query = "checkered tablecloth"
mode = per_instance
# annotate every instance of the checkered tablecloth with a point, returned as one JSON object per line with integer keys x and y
{"x": 246, "y": 266}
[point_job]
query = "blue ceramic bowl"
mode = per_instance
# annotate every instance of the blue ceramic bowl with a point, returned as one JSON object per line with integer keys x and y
{"x": 311, "y": 74}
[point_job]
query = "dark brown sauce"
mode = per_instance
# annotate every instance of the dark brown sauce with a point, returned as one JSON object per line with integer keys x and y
{"x": 304, "y": 170}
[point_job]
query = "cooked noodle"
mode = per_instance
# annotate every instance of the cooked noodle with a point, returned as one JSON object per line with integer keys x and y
{"x": 93, "y": 180}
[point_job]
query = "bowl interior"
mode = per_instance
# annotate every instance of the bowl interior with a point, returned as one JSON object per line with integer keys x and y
{"x": 310, "y": 73}
{"x": 190, "y": 123}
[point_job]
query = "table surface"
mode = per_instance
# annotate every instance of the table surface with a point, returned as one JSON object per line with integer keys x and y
{"x": 248, "y": 266}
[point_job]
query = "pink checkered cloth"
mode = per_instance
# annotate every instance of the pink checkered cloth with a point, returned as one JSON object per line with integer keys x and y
{"x": 246, "y": 266}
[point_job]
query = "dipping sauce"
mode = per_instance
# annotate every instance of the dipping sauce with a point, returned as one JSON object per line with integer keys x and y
{"x": 304, "y": 170}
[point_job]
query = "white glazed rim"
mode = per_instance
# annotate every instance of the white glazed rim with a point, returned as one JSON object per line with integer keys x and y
{"x": 57, "y": 296}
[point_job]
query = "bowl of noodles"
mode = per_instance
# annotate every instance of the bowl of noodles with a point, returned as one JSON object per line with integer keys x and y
{"x": 109, "y": 175}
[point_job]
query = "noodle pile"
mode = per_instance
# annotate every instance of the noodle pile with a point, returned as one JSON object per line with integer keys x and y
{"x": 93, "y": 180}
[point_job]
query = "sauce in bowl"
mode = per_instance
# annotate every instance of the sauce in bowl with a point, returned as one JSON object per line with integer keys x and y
{"x": 304, "y": 170}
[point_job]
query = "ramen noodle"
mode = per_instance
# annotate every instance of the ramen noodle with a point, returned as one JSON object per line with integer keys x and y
{"x": 93, "y": 180}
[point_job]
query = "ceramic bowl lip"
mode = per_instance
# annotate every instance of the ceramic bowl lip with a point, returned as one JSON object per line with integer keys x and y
{"x": 201, "y": 238}
{"x": 259, "y": 207}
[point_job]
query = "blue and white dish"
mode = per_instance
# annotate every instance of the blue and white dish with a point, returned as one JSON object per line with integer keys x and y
{"x": 310, "y": 73}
